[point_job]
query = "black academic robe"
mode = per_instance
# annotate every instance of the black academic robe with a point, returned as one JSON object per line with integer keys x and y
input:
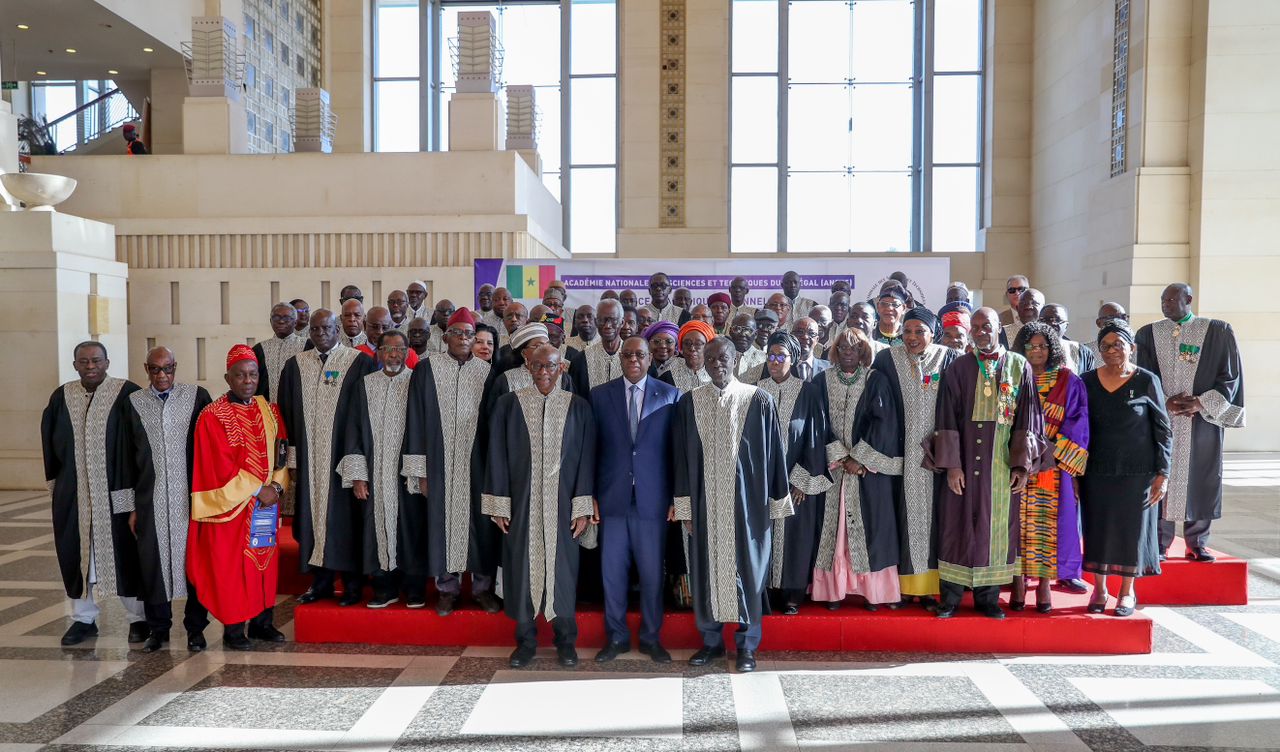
{"x": 1203, "y": 361}
{"x": 880, "y": 437}
{"x": 540, "y": 475}
{"x": 324, "y": 510}
{"x": 92, "y": 502}
{"x": 160, "y": 443}
{"x": 371, "y": 443}
{"x": 447, "y": 398}
{"x": 795, "y": 537}
{"x": 272, "y": 355}
{"x": 730, "y": 480}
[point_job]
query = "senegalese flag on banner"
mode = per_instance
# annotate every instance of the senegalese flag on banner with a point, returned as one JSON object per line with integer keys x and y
{"x": 529, "y": 281}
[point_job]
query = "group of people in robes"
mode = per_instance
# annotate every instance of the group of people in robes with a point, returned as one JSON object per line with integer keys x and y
{"x": 735, "y": 460}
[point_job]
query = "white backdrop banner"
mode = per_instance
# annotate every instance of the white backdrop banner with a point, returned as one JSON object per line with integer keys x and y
{"x": 585, "y": 280}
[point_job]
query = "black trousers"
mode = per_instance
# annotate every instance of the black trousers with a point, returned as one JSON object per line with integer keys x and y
{"x": 261, "y": 620}
{"x": 388, "y": 583}
{"x": 983, "y": 597}
{"x": 194, "y": 618}
{"x": 565, "y": 628}
{"x": 1195, "y": 532}
{"x": 322, "y": 580}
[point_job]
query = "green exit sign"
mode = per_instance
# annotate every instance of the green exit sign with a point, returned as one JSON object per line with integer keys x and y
{"x": 8, "y": 85}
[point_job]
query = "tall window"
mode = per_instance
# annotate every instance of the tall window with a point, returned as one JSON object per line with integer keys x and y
{"x": 565, "y": 49}
{"x": 833, "y": 109}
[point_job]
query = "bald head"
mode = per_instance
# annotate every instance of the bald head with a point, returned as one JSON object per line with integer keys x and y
{"x": 1110, "y": 311}
{"x": 377, "y": 322}
{"x": 352, "y": 317}
{"x": 986, "y": 323}
{"x": 161, "y": 368}
{"x": 1029, "y": 305}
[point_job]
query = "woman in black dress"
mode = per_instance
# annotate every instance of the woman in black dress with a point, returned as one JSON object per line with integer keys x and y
{"x": 1129, "y": 454}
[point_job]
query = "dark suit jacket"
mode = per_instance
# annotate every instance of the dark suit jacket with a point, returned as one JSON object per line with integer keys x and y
{"x": 646, "y": 463}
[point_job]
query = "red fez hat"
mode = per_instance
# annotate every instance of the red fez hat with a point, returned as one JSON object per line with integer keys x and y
{"x": 462, "y": 316}
{"x": 239, "y": 353}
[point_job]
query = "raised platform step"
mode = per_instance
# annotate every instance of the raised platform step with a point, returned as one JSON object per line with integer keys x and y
{"x": 1068, "y": 630}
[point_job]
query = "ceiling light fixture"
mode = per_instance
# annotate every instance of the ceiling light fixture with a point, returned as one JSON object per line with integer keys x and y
{"x": 113, "y": 72}
{"x": 24, "y": 27}
{"x": 41, "y": 73}
{"x": 71, "y": 50}
{"x": 147, "y": 49}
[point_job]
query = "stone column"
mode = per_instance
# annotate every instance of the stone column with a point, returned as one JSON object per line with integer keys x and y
{"x": 213, "y": 116}
{"x": 61, "y": 285}
{"x": 475, "y": 111}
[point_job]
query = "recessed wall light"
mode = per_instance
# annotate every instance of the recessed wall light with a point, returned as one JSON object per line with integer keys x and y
{"x": 24, "y": 27}
{"x": 114, "y": 72}
{"x": 147, "y": 49}
{"x": 71, "y": 50}
{"x": 41, "y": 73}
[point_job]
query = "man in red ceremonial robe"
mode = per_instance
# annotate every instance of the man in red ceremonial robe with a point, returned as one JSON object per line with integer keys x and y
{"x": 237, "y": 480}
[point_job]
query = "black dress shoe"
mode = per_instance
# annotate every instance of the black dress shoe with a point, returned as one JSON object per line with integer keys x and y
{"x": 567, "y": 656}
{"x": 312, "y": 595}
{"x": 833, "y": 605}
{"x": 929, "y": 603}
{"x": 415, "y": 601}
{"x": 155, "y": 641}
{"x": 382, "y": 601}
{"x": 746, "y": 662}
{"x": 267, "y": 634}
{"x": 489, "y": 602}
{"x": 655, "y": 651}
{"x": 237, "y": 642}
{"x": 139, "y": 632}
{"x": 78, "y": 632}
{"x": 1074, "y": 585}
{"x": 992, "y": 612}
{"x": 1017, "y": 605}
{"x": 706, "y": 655}
{"x": 791, "y": 609}
{"x": 522, "y": 656}
{"x": 869, "y": 606}
{"x": 945, "y": 612}
{"x": 1201, "y": 554}
{"x": 611, "y": 651}
{"x": 196, "y": 642}
{"x": 444, "y": 604}
{"x": 349, "y": 598}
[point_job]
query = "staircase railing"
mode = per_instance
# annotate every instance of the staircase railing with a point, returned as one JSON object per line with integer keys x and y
{"x": 93, "y": 119}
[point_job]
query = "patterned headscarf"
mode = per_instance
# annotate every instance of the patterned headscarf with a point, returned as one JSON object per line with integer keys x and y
{"x": 1119, "y": 329}
{"x": 527, "y": 333}
{"x": 661, "y": 327}
{"x": 787, "y": 340}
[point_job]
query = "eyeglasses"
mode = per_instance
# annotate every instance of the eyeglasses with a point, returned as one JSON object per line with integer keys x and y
{"x": 455, "y": 332}
{"x": 777, "y": 306}
{"x": 741, "y": 329}
{"x": 1012, "y": 290}
{"x": 609, "y": 320}
{"x": 1118, "y": 345}
{"x": 169, "y": 369}
{"x": 544, "y": 367}
{"x": 282, "y": 316}
{"x": 810, "y": 333}
{"x": 632, "y": 355}
{"x": 778, "y": 358}
{"x": 1035, "y": 348}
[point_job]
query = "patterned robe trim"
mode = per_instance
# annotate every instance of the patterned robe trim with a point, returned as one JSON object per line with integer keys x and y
{"x": 837, "y": 451}
{"x": 580, "y": 344}
{"x": 122, "y": 501}
{"x": 785, "y": 395}
{"x": 318, "y": 416}
{"x": 1178, "y": 376}
{"x": 995, "y": 399}
{"x": 999, "y": 574}
{"x": 387, "y": 397}
{"x": 671, "y": 313}
{"x": 168, "y": 424}
{"x": 414, "y": 468}
{"x": 352, "y": 342}
{"x": 544, "y": 420}
{"x": 842, "y": 401}
{"x": 601, "y": 366}
{"x": 720, "y": 416}
{"x": 495, "y": 506}
{"x": 780, "y": 508}
{"x": 292, "y": 455}
{"x": 459, "y": 390}
{"x": 749, "y": 361}
{"x": 1071, "y": 354}
{"x": 919, "y": 408}
{"x": 89, "y": 414}
{"x": 277, "y": 351}
{"x": 880, "y": 463}
{"x": 801, "y": 479}
{"x": 1218, "y": 411}
{"x": 1070, "y": 456}
{"x": 224, "y": 504}
{"x": 684, "y": 377}
{"x": 684, "y": 507}
{"x": 351, "y": 468}
{"x": 517, "y": 379}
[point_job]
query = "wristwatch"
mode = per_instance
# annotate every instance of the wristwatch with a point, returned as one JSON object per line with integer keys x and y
{"x": 279, "y": 488}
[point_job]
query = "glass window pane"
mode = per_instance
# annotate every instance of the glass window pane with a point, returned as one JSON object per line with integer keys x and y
{"x": 593, "y": 45}
{"x": 755, "y": 36}
{"x": 957, "y": 35}
{"x": 547, "y": 99}
{"x": 955, "y": 208}
{"x": 593, "y": 126}
{"x": 396, "y": 48}
{"x": 395, "y": 116}
{"x": 818, "y": 212}
{"x": 753, "y": 225}
{"x": 818, "y": 132}
{"x": 819, "y": 41}
{"x": 881, "y": 210}
{"x": 883, "y": 40}
{"x": 882, "y": 121}
{"x": 955, "y": 119}
{"x": 591, "y": 210}
{"x": 530, "y": 37}
{"x": 755, "y": 119}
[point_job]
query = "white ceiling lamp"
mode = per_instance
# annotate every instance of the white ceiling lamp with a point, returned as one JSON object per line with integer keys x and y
{"x": 71, "y": 50}
{"x": 23, "y": 27}
{"x": 147, "y": 49}
{"x": 113, "y": 72}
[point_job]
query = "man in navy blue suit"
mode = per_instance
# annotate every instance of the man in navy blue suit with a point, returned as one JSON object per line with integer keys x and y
{"x": 633, "y": 495}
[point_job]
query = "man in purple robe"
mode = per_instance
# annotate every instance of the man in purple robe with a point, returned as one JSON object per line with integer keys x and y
{"x": 989, "y": 434}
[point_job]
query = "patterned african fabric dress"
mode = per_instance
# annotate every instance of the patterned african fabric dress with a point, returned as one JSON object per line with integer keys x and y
{"x": 1050, "y": 510}
{"x": 858, "y": 545}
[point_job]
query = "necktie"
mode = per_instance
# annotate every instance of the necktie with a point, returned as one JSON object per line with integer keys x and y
{"x": 804, "y": 371}
{"x": 164, "y": 396}
{"x": 323, "y": 357}
{"x": 633, "y": 412}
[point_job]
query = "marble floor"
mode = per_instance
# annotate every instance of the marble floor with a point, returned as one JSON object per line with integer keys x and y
{"x": 1213, "y": 682}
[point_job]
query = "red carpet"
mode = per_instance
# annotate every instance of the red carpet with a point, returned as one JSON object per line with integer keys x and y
{"x": 1067, "y": 630}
